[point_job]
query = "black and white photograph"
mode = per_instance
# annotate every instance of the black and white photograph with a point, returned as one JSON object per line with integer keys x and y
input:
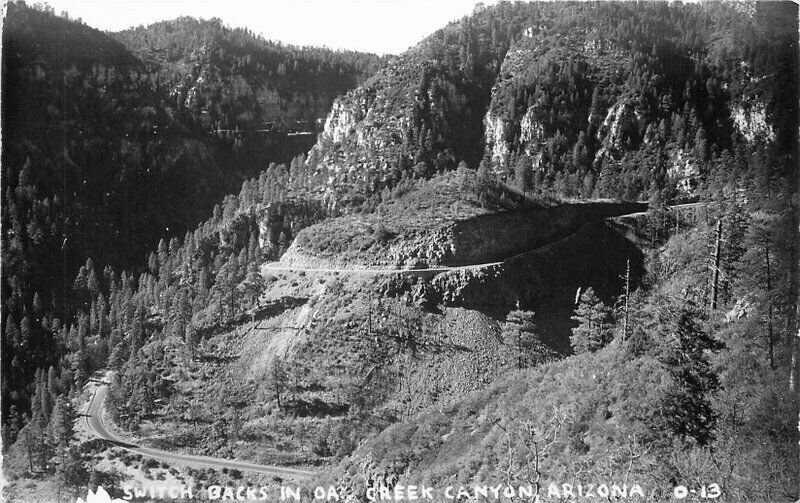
{"x": 383, "y": 251}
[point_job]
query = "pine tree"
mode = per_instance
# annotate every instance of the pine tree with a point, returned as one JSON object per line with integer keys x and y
{"x": 252, "y": 247}
{"x": 594, "y": 320}
{"x": 277, "y": 379}
{"x": 191, "y": 339}
{"x": 103, "y": 327}
{"x": 701, "y": 146}
{"x": 71, "y": 470}
{"x": 139, "y": 398}
{"x": 152, "y": 263}
{"x": 38, "y": 307}
{"x": 253, "y": 284}
{"x": 686, "y": 408}
{"x": 52, "y": 382}
{"x": 522, "y": 172}
{"x": 92, "y": 281}
{"x": 80, "y": 362}
{"x": 580, "y": 154}
{"x": 118, "y": 354}
{"x": 11, "y": 429}
{"x": 519, "y": 335}
{"x": 25, "y": 332}
{"x": 47, "y": 399}
{"x": 596, "y": 111}
{"x": 61, "y": 429}
{"x": 735, "y": 222}
{"x": 767, "y": 253}
{"x": 11, "y": 333}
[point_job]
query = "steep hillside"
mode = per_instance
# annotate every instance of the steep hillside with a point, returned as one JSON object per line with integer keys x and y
{"x": 94, "y": 165}
{"x": 102, "y": 159}
{"x": 328, "y": 361}
{"x": 420, "y": 223}
{"x": 609, "y": 100}
{"x": 454, "y": 219}
{"x": 594, "y": 104}
{"x": 682, "y": 393}
{"x": 655, "y": 349}
{"x": 231, "y": 79}
{"x": 421, "y": 112}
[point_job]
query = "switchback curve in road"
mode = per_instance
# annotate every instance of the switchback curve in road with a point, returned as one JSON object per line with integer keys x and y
{"x": 278, "y": 266}
{"x": 94, "y": 420}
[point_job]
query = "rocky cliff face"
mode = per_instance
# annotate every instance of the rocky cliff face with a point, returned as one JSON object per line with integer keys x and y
{"x": 270, "y": 105}
{"x": 556, "y": 85}
{"x": 495, "y": 137}
{"x": 478, "y": 240}
{"x": 502, "y": 128}
{"x": 499, "y": 136}
{"x": 567, "y": 101}
{"x": 685, "y": 170}
{"x": 420, "y": 248}
{"x": 421, "y": 113}
{"x": 620, "y": 130}
{"x": 526, "y": 128}
{"x": 531, "y": 131}
{"x": 750, "y": 120}
{"x": 358, "y": 135}
{"x": 342, "y": 121}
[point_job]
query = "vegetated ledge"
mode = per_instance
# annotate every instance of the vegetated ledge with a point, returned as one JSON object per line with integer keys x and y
{"x": 380, "y": 242}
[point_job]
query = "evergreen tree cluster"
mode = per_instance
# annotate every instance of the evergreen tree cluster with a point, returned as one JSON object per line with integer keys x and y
{"x": 612, "y": 100}
{"x": 100, "y": 160}
{"x": 608, "y": 100}
{"x": 105, "y": 149}
{"x": 223, "y": 76}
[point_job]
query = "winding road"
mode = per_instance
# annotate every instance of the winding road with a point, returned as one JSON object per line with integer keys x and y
{"x": 279, "y": 266}
{"x": 94, "y": 415}
{"x": 94, "y": 420}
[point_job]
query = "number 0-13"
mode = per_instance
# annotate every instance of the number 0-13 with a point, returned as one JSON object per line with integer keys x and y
{"x": 710, "y": 491}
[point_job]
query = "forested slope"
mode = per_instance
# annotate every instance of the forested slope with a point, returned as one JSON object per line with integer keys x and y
{"x": 571, "y": 100}
{"x": 669, "y": 374}
{"x": 665, "y": 388}
{"x": 232, "y": 79}
{"x": 105, "y": 153}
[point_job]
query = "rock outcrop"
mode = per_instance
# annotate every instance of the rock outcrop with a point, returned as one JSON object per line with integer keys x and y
{"x": 479, "y": 240}
{"x": 685, "y": 171}
{"x": 750, "y": 120}
{"x": 620, "y": 130}
{"x": 495, "y": 136}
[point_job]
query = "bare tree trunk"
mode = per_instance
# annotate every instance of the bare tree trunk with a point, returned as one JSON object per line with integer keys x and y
{"x": 770, "y": 310}
{"x": 627, "y": 296}
{"x": 42, "y": 447}
{"x": 791, "y": 324}
{"x": 29, "y": 449}
{"x": 715, "y": 280}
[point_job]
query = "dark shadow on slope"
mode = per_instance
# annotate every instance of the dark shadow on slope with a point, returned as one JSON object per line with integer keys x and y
{"x": 315, "y": 408}
{"x": 547, "y": 280}
{"x": 275, "y": 308}
{"x": 498, "y": 236}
